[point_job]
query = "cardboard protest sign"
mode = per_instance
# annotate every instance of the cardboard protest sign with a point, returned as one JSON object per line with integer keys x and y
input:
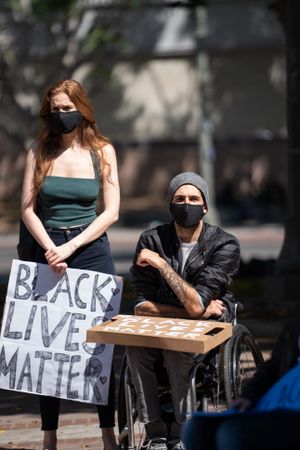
{"x": 43, "y": 348}
{"x": 182, "y": 335}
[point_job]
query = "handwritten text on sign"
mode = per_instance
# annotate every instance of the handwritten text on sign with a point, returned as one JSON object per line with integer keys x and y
{"x": 180, "y": 335}
{"x": 158, "y": 327}
{"x": 43, "y": 347}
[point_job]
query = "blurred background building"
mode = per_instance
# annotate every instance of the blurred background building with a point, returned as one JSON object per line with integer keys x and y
{"x": 139, "y": 60}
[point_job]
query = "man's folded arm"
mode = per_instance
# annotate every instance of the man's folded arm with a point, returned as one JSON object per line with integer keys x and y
{"x": 150, "y": 308}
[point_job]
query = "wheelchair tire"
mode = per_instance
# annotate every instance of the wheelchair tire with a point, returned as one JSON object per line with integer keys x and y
{"x": 122, "y": 420}
{"x": 210, "y": 387}
{"x": 241, "y": 356}
{"x": 122, "y": 416}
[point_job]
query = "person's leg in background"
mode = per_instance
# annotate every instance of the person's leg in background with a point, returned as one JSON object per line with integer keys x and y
{"x": 272, "y": 430}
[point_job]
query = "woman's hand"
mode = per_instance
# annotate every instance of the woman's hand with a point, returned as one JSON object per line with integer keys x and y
{"x": 60, "y": 268}
{"x": 56, "y": 255}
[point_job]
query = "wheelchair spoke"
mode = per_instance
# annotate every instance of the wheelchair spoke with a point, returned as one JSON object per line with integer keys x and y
{"x": 241, "y": 359}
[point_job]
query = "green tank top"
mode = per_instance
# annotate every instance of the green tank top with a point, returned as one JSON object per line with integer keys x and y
{"x": 67, "y": 201}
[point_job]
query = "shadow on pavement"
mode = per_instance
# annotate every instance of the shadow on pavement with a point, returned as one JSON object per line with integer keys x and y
{"x": 15, "y": 403}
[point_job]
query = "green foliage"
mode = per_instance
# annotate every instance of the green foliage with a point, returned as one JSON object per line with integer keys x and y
{"x": 99, "y": 37}
{"x": 13, "y": 4}
{"x": 46, "y": 7}
{"x": 134, "y": 4}
{"x": 43, "y": 8}
{"x": 42, "y": 41}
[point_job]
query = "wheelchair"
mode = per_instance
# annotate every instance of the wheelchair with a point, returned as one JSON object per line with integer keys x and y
{"x": 216, "y": 379}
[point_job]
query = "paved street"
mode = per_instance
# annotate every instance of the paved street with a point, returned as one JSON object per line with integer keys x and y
{"x": 262, "y": 242}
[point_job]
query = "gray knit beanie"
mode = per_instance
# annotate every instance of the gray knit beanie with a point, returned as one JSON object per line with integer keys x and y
{"x": 187, "y": 178}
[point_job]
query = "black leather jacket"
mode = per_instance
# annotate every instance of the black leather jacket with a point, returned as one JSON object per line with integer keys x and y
{"x": 209, "y": 268}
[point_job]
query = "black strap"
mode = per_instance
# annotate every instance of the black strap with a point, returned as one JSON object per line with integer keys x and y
{"x": 96, "y": 163}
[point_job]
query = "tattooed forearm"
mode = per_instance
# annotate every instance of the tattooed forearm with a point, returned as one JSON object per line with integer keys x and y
{"x": 157, "y": 310}
{"x": 176, "y": 283}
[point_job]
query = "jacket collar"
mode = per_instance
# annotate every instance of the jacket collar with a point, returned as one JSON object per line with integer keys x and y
{"x": 204, "y": 235}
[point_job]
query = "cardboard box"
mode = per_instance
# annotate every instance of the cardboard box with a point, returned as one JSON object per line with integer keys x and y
{"x": 182, "y": 335}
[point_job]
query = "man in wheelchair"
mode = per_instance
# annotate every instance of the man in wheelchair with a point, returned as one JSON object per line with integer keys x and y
{"x": 181, "y": 270}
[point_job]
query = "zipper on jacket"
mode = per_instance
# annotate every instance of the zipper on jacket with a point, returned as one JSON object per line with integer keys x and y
{"x": 194, "y": 259}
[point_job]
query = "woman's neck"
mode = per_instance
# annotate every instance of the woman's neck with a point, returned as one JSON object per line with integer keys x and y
{"x": 70, "y": 140}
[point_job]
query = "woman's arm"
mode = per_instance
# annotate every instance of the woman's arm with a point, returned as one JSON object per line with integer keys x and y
{"x": 28, "y": 204}
{"x": 110, "y": 214}
{"x": 111, "y": 201}
{"x": 29, "y": 217}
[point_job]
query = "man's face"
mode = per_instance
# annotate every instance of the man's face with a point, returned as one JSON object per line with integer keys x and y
{"x": 188, "y": 194}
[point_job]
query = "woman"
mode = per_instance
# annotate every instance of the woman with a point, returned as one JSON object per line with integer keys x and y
{"x": 64, "y": 170}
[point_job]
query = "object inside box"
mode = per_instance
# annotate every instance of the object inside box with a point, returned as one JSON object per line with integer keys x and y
{"x": 214, "y": 331}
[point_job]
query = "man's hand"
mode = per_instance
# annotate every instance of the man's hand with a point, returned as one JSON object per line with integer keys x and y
{"x": 215, "y": 308}
{"x": 149, "y": 258}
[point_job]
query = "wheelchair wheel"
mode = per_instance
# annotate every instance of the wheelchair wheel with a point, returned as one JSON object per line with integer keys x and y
{"x": 128, "y": 432}
{"x": 207, "y": 384}
{"x": 241, "y": 356}
{"x": 122, "y": 420}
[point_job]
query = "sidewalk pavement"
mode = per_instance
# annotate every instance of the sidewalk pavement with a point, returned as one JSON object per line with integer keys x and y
{"x": 20, "y": 424}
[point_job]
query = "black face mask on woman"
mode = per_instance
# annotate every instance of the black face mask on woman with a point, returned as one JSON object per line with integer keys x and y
{"x": 187, "y": 215}
{"x": 64, "y": 122}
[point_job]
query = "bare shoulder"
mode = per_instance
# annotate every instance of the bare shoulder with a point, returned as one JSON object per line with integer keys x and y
{"x": 32, "y": 150}
{"x": 108, "y": 152}
{"x": 33, "y": 147}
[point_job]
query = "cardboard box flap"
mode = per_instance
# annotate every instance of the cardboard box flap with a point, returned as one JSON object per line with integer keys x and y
{"x": 195, "y": 336}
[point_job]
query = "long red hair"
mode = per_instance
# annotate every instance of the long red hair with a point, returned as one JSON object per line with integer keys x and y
{"x": 49, "y": 142}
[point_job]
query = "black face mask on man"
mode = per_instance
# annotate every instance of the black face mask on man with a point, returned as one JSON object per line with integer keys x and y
{"x": 187, "y": 215}
{"x": 64, "y": 122}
